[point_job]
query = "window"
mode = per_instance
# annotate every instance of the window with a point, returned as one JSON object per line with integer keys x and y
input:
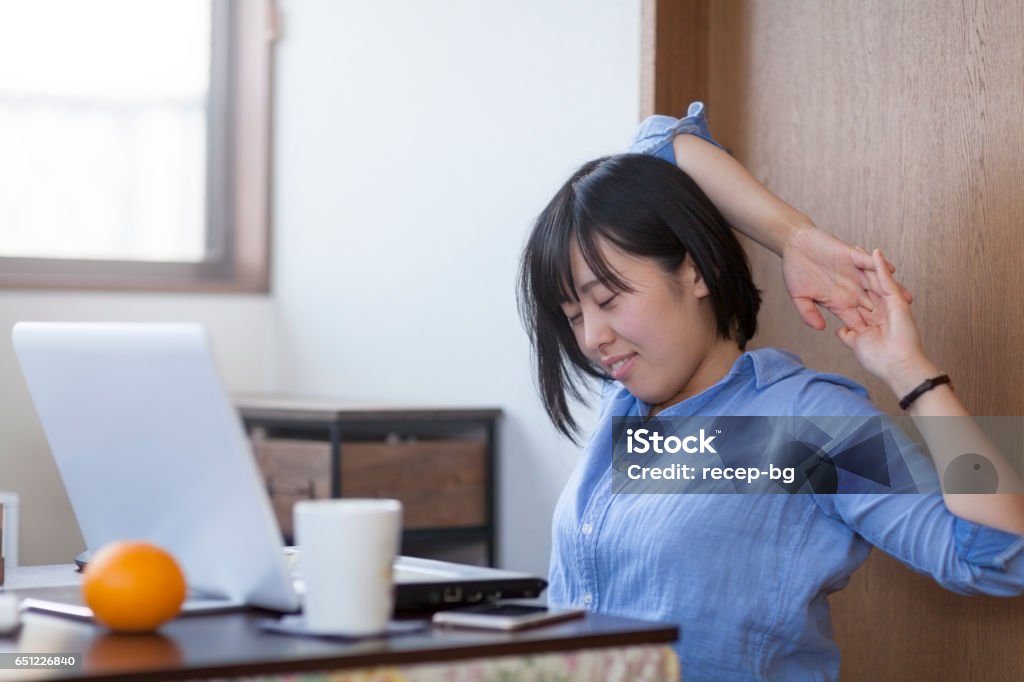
{"x": 135, "y": 140}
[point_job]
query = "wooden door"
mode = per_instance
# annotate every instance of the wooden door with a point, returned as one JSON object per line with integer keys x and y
{"x": 900, "y": 125}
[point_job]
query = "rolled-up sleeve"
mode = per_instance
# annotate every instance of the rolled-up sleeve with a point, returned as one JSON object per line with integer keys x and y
{"x": 655, "y": 134}
{"x": 917, "y": 528}
{"x": 920, "y": 532}
{"x": 988, "y": 547}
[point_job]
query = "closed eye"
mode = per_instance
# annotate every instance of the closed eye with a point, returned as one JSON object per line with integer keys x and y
{"x": 608, "y": 302}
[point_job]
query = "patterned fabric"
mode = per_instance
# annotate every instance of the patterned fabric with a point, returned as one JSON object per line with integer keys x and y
{"x": 620, "y": 664}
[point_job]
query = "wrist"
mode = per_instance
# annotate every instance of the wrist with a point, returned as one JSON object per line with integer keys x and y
{"x": 903, "y": 377}
{"x": 789, "y": 233}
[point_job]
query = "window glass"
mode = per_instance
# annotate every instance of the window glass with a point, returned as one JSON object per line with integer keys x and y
{"x": 103, "y": 129}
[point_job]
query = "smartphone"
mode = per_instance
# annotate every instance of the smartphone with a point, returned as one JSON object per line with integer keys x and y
{"x": 505, "y": 616}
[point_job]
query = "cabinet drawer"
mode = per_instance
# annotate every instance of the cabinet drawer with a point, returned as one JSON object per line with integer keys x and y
{"x": 441, "y": 483}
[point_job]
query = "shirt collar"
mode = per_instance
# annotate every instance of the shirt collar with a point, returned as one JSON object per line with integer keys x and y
{"x": 768, "y": 365}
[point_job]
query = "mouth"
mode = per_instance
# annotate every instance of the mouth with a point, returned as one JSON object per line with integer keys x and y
{"x": 619, "y": 366}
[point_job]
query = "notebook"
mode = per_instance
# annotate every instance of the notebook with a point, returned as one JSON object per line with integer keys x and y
{"x": 149, "y": 447}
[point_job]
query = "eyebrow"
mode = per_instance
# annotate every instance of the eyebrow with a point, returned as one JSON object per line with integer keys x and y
{"x": 587, "y": 287}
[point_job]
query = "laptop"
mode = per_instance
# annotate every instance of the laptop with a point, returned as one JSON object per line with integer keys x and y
{"x": 149, "y": 447}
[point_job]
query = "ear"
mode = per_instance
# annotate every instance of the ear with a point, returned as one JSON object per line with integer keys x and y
{"x": 691, "y": 279}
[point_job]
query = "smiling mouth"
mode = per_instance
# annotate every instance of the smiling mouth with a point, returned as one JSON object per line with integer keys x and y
{"x": 620, "y": 368}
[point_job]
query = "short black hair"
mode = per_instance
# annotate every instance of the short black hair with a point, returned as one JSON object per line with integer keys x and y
{"x": 645, "y": 207}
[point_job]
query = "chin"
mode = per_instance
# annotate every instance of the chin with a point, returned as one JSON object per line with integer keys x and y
{"x": 651, "y": 397}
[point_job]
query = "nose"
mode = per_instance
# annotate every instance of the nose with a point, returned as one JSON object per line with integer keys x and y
{"x": 596, "y": 333}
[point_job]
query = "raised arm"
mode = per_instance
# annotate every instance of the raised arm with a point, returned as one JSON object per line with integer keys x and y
{"x": 889, "y": 347}
{"x": 742, "y": 199}
{"x": 818, "y": 268}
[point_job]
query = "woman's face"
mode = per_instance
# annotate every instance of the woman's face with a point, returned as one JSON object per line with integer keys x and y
{"x": 658, "y": 340}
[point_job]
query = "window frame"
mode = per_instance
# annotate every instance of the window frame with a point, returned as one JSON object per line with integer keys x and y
{"x": 238, "y": 179}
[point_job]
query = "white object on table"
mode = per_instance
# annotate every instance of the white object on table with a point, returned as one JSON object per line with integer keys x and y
{"x": 348, "y": 548}
{"x": 9, "y": 616}
{"x": 9, "y": 550}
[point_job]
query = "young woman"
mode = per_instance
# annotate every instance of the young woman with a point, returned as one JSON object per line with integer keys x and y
{"x": 632, "y": 276}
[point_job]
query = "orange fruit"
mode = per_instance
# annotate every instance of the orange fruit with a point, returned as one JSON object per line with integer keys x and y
{"x": 133, "y": 586}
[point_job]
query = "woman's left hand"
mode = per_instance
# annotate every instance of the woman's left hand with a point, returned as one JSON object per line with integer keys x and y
{"x": 819, "y": 269}
{"x": 889, "y": 342}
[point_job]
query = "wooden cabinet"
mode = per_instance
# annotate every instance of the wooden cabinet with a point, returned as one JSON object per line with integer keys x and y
{"x": 439, "y": 462}
{"x": 441, "y": 483}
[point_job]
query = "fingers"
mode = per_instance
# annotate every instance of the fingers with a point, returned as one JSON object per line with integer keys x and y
{"x": 882, "y": 285}
{"x": 874, "y": 284}
{"x": 846, "y": 336}
{"x": 905, "y": 293}
{"x": 862, "y": 279}
{"x": 853, "y": 318}
{"x": 866, "y": 266}
{"x": 809, "y": 313}
{"x": 888, "y": 285}
{"x": 888, "y": 266}
{"x": 879, "y": 318}
{"x": 864, "y": 301}
{"x": 865, "y": 262}
{"x": 895, "y": 293}
{"x": 907, "y": 296}
{"x": 862, "y": 259}
{"x": 892, "y": 268}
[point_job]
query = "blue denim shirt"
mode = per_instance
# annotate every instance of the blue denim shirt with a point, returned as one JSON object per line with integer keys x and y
{"x": 746, "y": 577}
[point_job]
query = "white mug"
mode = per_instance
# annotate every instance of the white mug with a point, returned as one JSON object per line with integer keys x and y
{"x": 348, "y": 548}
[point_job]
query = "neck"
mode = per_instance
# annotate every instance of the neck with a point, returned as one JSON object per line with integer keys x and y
{"x": 715, "y": 365}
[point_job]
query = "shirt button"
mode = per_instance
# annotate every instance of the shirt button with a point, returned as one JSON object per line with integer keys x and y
{"x": 587, "y": 597}
{"x": 587, "y": 528}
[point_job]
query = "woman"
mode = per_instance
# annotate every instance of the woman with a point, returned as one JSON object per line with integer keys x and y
{"x": 632, "y": 275}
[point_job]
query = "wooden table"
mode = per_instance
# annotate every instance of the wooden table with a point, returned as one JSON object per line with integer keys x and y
{"x": 232, "y": 644}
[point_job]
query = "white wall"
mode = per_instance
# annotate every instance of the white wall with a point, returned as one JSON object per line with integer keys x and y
{"x": 414, "y": 143}
{"x": 240, "y": 327}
